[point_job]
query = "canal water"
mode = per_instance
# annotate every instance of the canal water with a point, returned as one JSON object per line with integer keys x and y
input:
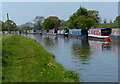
{"x": 93, "y": 60}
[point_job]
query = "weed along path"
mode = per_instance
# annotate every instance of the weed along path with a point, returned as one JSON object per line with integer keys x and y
{"x": 25, "y": 60}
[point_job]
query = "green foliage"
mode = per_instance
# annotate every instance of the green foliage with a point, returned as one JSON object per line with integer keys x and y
{"x": 9, "y": 25}
{"x": 63, "y": 23}
{"x": 25, "y": 60}
{"x": 1, "y": 25}
{"x": 51, "y": 22}
{"x": 94, "y": 15}
{"x": 63, "y": 27}
{"x": 117, "y": 20}
{"x": 83, "y": 19}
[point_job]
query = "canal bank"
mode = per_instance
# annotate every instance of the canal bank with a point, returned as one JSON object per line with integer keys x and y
{"x": 25, "y": 60}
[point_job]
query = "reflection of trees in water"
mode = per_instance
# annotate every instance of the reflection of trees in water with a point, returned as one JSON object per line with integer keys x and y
{"x": 50, "y": 41}
{"x": 81, "y": 50}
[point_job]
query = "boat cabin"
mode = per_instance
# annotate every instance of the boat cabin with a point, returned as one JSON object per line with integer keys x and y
{"x": 100, "y": 31}
{"x": 78, "y": 32}
{"x": 115, "y": 31}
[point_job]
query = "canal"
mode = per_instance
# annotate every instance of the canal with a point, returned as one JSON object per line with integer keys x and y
{"x": 93, "y": 60}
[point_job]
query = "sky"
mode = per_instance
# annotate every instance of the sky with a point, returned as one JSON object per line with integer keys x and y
{"x": 22, "y": 12}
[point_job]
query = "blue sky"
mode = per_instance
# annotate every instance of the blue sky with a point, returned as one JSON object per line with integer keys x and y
{"x": 22, "y": 12}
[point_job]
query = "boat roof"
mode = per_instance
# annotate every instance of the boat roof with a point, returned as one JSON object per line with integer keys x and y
{"x": 117, "y": 29}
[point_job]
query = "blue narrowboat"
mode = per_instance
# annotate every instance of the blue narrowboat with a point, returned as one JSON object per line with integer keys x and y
{"x": 78, "y": 33}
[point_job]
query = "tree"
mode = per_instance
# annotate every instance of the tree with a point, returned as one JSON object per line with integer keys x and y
{"x": 10, "y": 25}
{"x": 27, "y": 25}
{"x": 51, "y": 22}
{"x": 63, "y": 23}
{"x": 83, "y": 19}
{"x": 1, "y": 25}
{"x": 117, "y": 20}
{"x": 94, "y": 15}
{"x": 38, "y": 21}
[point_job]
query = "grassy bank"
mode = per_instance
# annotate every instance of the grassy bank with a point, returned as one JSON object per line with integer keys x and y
{"x": 107, "y": 25}
{"x": 25, "y": 60}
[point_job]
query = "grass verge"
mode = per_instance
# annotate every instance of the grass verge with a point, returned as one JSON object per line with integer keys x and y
{"x": 108, "y": 25}
{"x": 25, "y": 60}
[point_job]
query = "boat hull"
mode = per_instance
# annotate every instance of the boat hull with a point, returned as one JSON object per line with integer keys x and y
{"x": 97, "y": 36}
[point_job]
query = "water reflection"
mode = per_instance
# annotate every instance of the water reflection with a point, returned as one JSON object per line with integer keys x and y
{"x": 100, "y": 45}
{"x": 50, "y": 41}
{"x": 81, "y": 50}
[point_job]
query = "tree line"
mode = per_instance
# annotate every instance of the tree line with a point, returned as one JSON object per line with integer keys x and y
{"x": 81, "y": 19}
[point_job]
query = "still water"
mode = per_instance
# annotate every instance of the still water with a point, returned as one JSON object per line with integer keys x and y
{"x": 94, "y": 61}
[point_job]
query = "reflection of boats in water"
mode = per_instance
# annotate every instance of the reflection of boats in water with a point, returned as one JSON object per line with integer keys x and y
{"x": 115, "y": 47}
{"x": 100, "y": 45}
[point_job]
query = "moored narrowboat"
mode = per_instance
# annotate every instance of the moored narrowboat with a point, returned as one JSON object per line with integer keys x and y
{"x": 102, "y": 33}
{"x": 115, "y": 35}
{"x": 115, "y": 32}
{"x": 80, "y": 33}
{"x": 62, "y": 32}
{"x": 52, "y": 32}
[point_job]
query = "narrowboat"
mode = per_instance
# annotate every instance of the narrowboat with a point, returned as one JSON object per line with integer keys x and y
{"x": 115, "y": 35}
{"x": 44, "y": 31}
{"x": 101, "y": 33}
{"x": 52, "y": 32}
{"x": 60, "y": 32}
{"x": 31, "y": 31}
{"x": 80, "y": 33}
{"x": 64, "y": 32}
